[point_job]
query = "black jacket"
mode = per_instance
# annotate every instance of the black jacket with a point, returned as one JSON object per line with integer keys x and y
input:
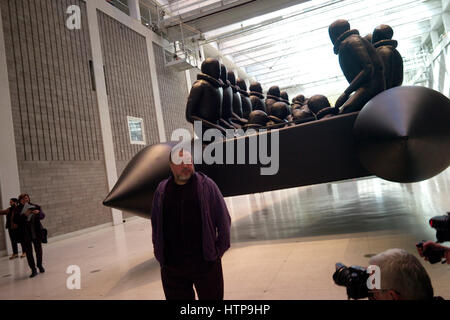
{"x": 29, "y": 229}
{"x": 9, "y": 215}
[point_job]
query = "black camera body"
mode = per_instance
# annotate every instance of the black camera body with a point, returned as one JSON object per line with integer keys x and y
{"x": 354, "y": 278}
{"x": 442, "y": 226}
{"x": 433, "y": 255}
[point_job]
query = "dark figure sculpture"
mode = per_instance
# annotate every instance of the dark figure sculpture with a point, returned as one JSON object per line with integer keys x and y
{"x": 256, "y": 97}
{"x": 279, "y": 113}
{"x": 257, "y": 119}
{"x": 245, "y": 98}
{"x": 227, "y": 101}
{"x": 273, "y": 95}
{"x": 391, "y": 58}
{"x": 300, "y": 110}
{"x": 368, "y": 37}
{"x": 205, "y": 99}
{"x": 361, "y": 65}
{"x": 298, "y": 101}
{"x": 237, "y": 118}
{"x": 320, "y": 107}
{"x": 284, "y": 97}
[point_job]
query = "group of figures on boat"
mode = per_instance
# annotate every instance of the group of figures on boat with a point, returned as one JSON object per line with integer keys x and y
{"x": 371, "y": 64}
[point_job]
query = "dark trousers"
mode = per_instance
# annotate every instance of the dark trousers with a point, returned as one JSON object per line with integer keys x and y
{"x": 27, "y": 245}
{"x": 13, "y": 236}
{"x": 205, "y": 276}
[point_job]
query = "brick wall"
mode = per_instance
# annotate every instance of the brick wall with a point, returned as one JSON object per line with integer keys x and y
{"x": 173, "y": 92}
{"x": 129, "y": 86}
{"x": 70, "y": 193}
{"x": 193, "y": 74}
{"x": 55, "y": 112}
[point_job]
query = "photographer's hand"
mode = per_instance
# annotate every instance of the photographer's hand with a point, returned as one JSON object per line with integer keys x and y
{"x": 433, "y": 246}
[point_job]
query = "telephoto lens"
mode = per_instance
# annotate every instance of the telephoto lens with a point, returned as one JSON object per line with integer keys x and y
{"x": 354, "y": 278}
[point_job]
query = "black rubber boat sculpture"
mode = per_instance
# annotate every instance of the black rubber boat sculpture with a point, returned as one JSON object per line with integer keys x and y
{"x": 401, "y": 135}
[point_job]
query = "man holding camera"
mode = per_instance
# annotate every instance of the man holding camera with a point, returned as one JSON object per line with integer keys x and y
{"x": 400, "y": 277}
{"x": 430, "y": 246}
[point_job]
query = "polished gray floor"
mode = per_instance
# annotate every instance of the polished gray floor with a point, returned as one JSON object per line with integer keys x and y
{"x": 284, "y": 244}
{"x": 363, "y": 205}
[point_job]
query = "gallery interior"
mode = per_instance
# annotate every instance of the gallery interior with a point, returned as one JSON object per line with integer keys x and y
{"x": 93, "y": 89}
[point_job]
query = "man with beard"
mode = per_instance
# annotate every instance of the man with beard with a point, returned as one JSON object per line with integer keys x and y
{"x": 190, "y": 232}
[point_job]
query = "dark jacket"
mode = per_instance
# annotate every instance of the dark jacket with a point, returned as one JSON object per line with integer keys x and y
{"x": 9, "y": 215}
{"x": 216, "y": 220}
{"x": 29, "y": 229}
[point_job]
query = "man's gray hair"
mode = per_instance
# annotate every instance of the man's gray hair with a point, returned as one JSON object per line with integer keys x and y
{"x": 403, "y": 272}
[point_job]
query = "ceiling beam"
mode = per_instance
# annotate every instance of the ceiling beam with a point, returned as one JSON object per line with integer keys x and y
{"x": 221, "y": 16}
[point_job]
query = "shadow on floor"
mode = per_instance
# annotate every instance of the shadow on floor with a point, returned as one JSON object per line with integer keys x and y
{"x": 140, "y": 275}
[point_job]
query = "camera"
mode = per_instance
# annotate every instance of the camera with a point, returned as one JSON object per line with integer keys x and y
{"x": 354, "y": 278}
{"x": 433, "y": 255}
{"x": 442, "y": 226}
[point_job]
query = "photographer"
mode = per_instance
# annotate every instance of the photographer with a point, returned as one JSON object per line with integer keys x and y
{"x": 430, "y": 246}
{"x": 402, "y": 277}
{"x": 398, "y": 276}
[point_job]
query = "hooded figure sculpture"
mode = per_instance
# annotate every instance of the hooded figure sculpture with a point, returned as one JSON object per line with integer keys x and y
{"x": 205, "y": 98}
{"x": 298, "y": 101}
{"x": 257, "y": 119}
{"x": 279, "y": 112}
{"x": 361, "y": 65}
{"x": 245, "y": 98}
{"x": 256, "y": 97}
{"x": 284, "y": 97}
{"x": 320, "y": 106}
{"x": 237, "y": 118}
{"x": 391, "y": 58}
{"x": 273, "y": 95}
{"x": 227, "y": 101}
{"x": 300, "y": 110}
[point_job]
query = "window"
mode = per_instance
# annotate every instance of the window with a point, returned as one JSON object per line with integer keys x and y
{"x": 136, "y": 129}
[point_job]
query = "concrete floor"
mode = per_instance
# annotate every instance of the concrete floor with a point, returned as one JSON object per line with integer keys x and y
{"x": 284, "y": 245}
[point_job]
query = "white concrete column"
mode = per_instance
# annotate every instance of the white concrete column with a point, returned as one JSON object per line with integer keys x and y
{"x": 102, "y": 101}
{"x": 135, "y": 11}
{"x": 9, "y": 171}
{"x": 188, "y": 80}
{"x": 155, "y": 86}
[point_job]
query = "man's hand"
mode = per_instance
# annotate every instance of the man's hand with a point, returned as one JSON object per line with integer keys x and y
{"x": 35, "y": 211}
{"x": 432, "y": 246}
